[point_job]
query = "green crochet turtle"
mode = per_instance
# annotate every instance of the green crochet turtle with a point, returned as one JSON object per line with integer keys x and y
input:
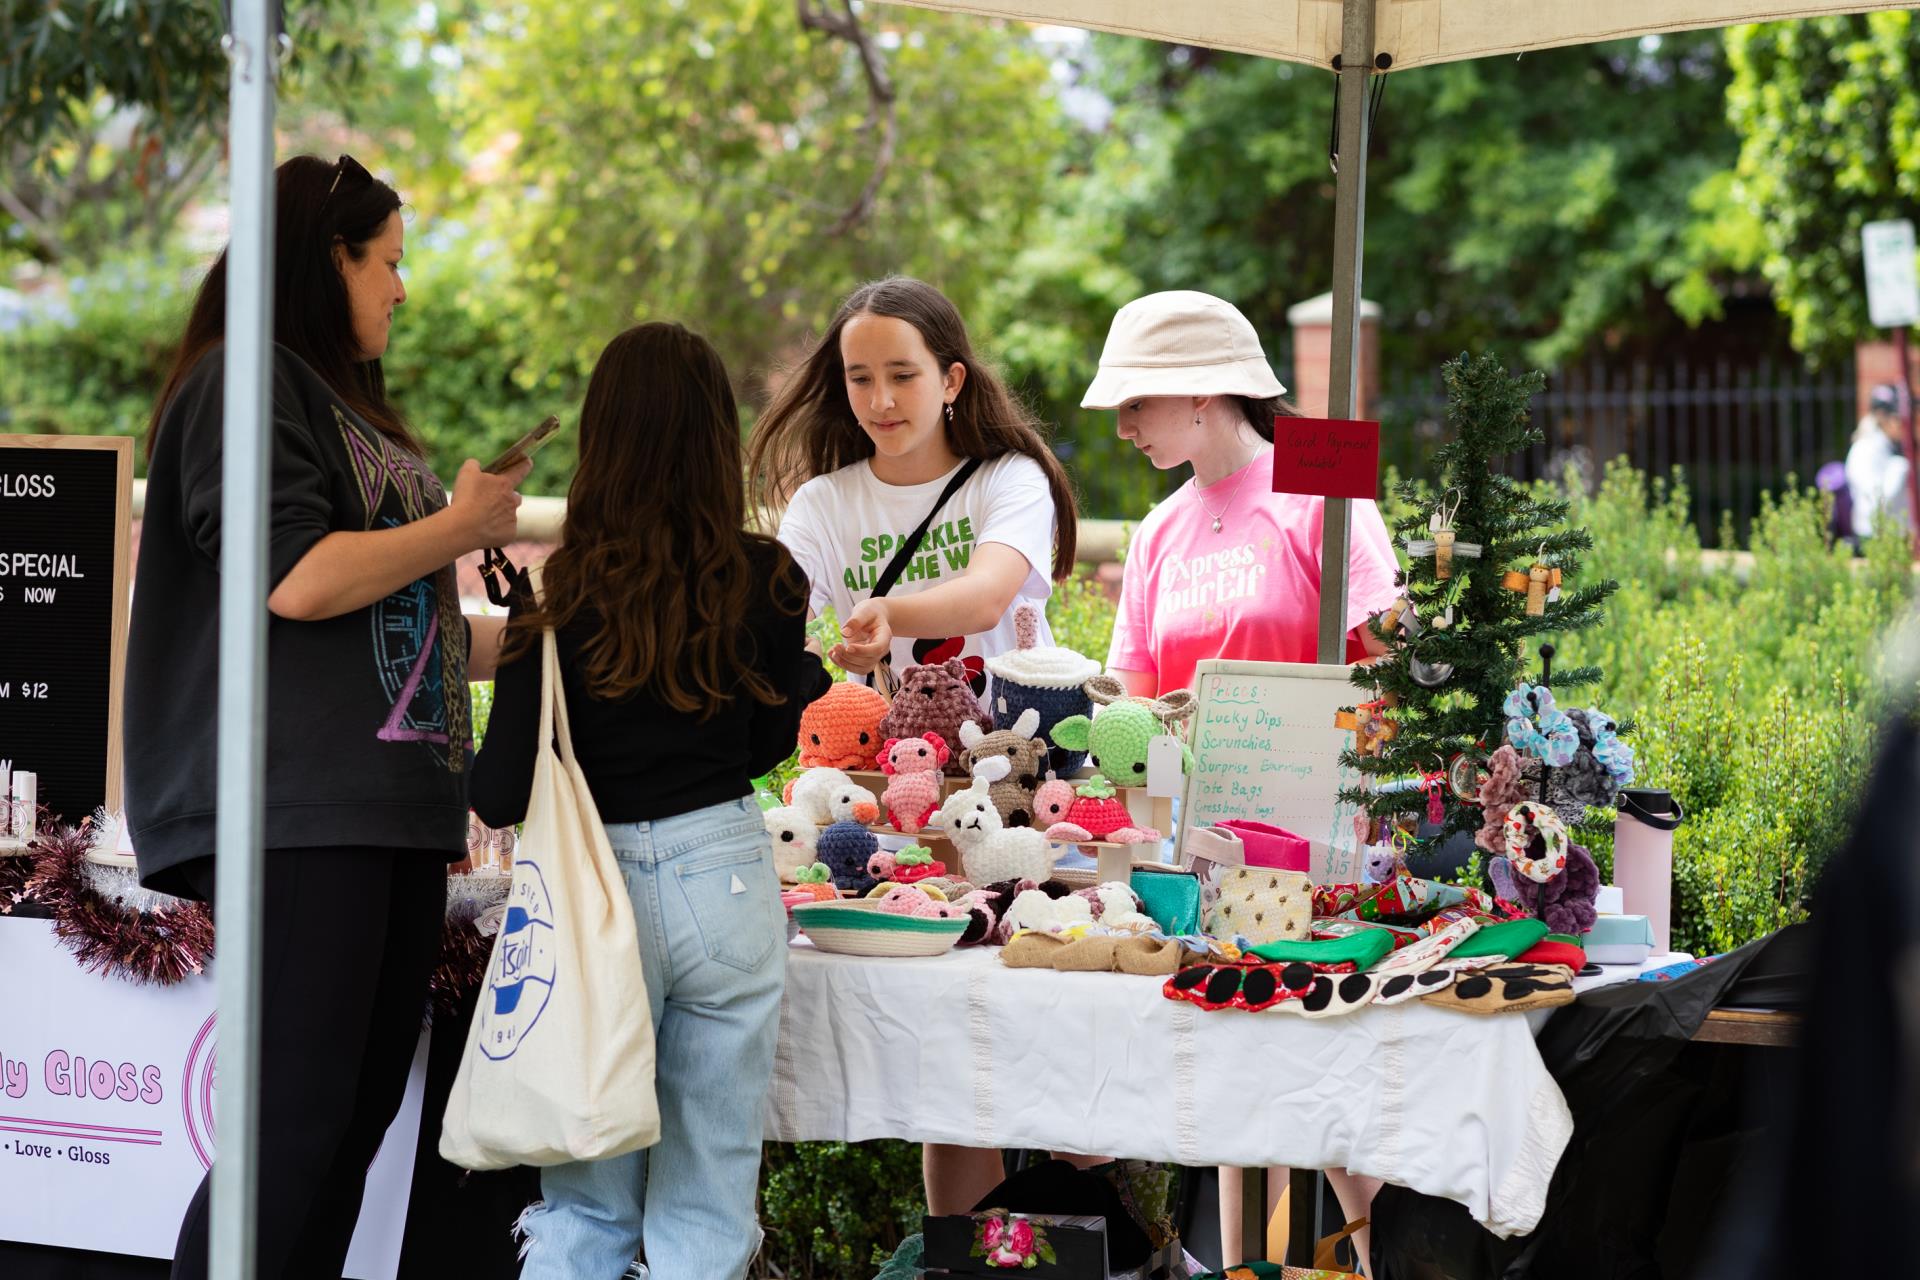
{"x": 1116, "y": 739}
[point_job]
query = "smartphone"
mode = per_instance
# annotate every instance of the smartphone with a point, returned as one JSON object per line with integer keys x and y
{"x": 525, "y": 445}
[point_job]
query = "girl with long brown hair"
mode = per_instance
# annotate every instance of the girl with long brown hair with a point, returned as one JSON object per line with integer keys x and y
{"x": 891, "y": 420}
{"x": 861, "y": 442}
{"x": 682, "y": 652}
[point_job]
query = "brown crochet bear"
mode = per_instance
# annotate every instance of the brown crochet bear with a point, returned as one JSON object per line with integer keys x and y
{"x": 1025, "y": 749}
{"x": 935, "y": 698}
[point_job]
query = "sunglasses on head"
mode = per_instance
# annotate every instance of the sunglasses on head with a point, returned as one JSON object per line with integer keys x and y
{"x": 342, "y": 167}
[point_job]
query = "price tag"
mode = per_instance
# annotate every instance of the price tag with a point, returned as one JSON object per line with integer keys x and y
{"x": 1164, "y": 774}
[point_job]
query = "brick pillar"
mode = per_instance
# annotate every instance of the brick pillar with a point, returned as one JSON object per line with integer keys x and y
{"x": 1312, "y": 323}
{"x": 1874, "y": 363}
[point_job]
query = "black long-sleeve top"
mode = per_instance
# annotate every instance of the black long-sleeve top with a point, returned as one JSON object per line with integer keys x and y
{"x": 642, "y": 759}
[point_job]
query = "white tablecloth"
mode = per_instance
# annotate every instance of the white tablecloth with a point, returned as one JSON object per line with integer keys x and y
{"x": 959, "y": 1048}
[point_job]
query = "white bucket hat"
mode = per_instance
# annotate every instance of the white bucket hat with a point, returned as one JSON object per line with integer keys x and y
{"x": 1180, "y": 343}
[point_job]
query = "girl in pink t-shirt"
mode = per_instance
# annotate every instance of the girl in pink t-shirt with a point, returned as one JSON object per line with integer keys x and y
{"x": 1224, "y": 568}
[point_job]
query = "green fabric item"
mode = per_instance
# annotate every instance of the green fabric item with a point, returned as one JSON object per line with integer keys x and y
{"x": 1508, "y": 938}
{"x": 1364, "y": 949}
{"x": 1172, "y": 900}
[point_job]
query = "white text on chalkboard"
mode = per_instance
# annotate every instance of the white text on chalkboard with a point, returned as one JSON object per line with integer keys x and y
{"x": 39, "y": 564}
{"x": 26, "y": 486}
{"x": 29, "y": 689}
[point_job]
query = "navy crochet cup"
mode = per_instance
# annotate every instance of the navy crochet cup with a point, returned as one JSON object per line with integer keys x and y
{"x": 1010, "y": 698}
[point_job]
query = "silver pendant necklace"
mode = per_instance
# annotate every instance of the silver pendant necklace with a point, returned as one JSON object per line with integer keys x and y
{"x": 1245, "y": 467}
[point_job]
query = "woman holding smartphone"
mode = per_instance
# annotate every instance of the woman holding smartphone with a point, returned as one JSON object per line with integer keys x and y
{"x": 368, "y": 660}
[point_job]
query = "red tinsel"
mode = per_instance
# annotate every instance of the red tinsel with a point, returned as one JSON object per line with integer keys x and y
{"x": 163, "y": 942}
{"x": 460, "y": 969}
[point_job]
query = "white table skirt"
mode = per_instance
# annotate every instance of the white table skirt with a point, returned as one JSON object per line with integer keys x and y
{"x": 961, "y": 1049}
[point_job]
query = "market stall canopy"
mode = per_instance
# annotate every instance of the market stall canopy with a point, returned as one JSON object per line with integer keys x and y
{"x": 1415, "y": 32}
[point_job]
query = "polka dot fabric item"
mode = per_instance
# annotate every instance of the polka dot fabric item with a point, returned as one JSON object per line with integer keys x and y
{"x": 1262, "y": 904}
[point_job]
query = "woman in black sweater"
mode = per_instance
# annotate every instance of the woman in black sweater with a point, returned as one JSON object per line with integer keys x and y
{"x": 682, "y": 652}
{"x": 368, "y": 659}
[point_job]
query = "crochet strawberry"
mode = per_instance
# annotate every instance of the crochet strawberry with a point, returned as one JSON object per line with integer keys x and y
{"x": 1097, "y": 814}
{"x": 915, "y": 862}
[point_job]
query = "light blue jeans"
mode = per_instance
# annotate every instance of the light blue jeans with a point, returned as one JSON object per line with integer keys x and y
{"x": 713, "y": 941}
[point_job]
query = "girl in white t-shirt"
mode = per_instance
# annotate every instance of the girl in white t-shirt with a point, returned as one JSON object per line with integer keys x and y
{"x": 862, "y": 439}
{"x": 860, "y": 442}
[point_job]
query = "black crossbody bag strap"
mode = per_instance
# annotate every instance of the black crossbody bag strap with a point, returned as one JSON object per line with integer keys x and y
{"x": 905, "y": 553}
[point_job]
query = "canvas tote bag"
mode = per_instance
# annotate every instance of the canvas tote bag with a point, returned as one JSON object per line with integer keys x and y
{"x": 559, "y": 1062}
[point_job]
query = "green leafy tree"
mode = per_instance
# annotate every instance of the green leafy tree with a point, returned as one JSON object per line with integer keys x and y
{"x": 1548, "y": 203}
{"x": 742, "y": 164}
{"x": 113, "y": 113}
{"x": 1485, "y": 643}
{"x": 1828, "y": 114}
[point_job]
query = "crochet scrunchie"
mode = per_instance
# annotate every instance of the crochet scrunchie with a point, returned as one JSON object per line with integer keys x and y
{"x": 1526, "y": 821}
{"x": 1608, "y": 749}
{"x": 1539, "y": 728}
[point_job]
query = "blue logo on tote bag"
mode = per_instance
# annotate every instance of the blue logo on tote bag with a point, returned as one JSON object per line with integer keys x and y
{"x": 520, "y": 973}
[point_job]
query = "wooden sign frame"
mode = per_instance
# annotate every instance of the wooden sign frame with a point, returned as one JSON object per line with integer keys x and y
{"x": 122, "y": 448}
{"x": 1332, "y": 858}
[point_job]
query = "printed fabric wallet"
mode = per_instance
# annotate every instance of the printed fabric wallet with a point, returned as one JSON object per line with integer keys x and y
{"x": 1262, "y": 904}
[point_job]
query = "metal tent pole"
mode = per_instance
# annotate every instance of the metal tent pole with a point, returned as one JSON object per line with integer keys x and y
{"x": 245, "y": 465}
{"x": 1349, "y": 235}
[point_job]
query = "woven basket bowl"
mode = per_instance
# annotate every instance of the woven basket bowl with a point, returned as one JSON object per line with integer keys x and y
{"x": 857, "y": 928}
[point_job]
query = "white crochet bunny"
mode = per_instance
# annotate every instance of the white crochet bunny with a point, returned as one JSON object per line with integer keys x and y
{"x": 989, "y": 851}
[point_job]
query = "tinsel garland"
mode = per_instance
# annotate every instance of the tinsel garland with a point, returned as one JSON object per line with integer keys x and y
{"x": 16, "y": 869}
{"x": 466, "y": 940}
{"x": 111, "y": 924}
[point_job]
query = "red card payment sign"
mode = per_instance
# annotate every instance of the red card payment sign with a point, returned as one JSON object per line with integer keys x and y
{"x": 1331, "y": 457}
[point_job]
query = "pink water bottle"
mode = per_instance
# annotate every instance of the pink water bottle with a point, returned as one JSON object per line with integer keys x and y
{"x": 1643, "y": 858}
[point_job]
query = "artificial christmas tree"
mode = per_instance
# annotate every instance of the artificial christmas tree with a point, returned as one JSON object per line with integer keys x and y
{"x": 1491, "y": 568}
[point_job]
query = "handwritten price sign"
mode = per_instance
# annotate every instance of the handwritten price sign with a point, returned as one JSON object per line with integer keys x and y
{"x": 1331, "y": 457}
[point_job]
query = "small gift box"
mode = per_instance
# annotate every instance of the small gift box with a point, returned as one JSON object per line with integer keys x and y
{"x": 1619, "y": 940}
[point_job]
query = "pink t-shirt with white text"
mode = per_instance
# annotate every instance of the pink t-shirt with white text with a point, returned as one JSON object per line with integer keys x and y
{"x": 1250, "y": 592}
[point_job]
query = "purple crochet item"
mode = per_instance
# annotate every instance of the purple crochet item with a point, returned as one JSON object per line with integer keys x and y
{"x": 845, "y": 848}
{"x": 1564, "y": 903}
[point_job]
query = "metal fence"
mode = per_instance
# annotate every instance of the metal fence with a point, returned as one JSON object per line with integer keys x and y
{"x": 1734, "y": 432}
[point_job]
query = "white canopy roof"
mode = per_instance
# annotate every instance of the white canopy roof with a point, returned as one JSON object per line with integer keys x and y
{"x": 1415, "y": 32}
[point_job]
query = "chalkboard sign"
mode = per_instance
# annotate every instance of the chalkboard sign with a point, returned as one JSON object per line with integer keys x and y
{"x": 1265, "y": 747}
{"x": 65, "y": 508}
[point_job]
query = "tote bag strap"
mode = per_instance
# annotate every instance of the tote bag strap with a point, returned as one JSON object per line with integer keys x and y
{"x": 554, "y": 727}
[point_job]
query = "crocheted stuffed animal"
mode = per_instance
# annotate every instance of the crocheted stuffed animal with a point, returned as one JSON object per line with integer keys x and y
{"x": 908, "y": 866}
{"x": 1032, "y": 909}
{"x": 934, "y": 699}
{"x": 1026, "y": 753}
{"x": 845, "y": 847}
{"x": 1097, "y": 814}
{"x": 827, "y": 795}
{"x": 914, "y": 767}
{"x": 1047, "y": 679}
{"x": 1052, "y": 800}
{"x": 794, "y": 838}
{"x": 1116, "y": 739}
{"x": 841, "y": 728}
{"x": 989, "y": 850}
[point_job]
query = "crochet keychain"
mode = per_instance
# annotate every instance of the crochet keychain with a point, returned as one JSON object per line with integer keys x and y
{"x": 1435, "y": 784}
{"x": 1372, "y": 729}
{"x": 1539, "y": 728}
{"x": 1444, "y": 545}
{"x": 1540, "y": 584}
